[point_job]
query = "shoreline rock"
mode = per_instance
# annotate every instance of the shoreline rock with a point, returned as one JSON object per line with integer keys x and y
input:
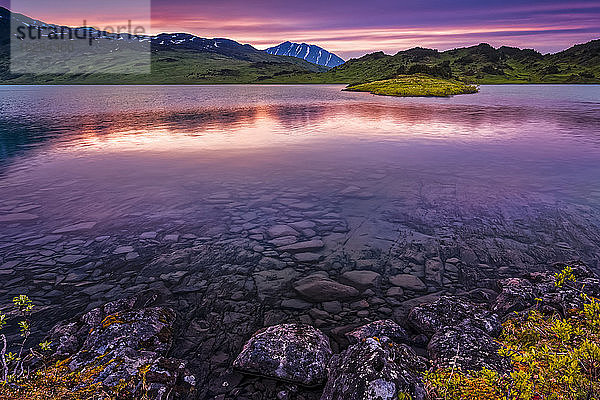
{"x": 118, "y": 340}
{"x": 372, "y": 360}
{"x": 374, "y": 369}
{"x": 291, "y": 352}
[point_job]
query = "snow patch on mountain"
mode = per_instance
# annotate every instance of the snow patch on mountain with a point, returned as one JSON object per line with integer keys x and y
{"x": 308, "y": 52}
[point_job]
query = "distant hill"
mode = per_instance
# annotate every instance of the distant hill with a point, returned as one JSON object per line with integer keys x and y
{"x": 308, "y": 52}
{"x": 477, "y": 64}
{"x": 175, "y": 58}
{"x": 186, "y": 59}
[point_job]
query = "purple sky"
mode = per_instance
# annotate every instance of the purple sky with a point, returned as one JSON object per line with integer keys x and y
{"x": 352, "y": 28}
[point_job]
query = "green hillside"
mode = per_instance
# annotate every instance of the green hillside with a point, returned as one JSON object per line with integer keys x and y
{"x": 481, "y": 64}
{"x": 181, "y": 67}
{"x": 175, "y": 59}
{"x": 185, "y": 59}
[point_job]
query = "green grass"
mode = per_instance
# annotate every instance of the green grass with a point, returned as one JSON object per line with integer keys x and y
{"x": 553, "y": 357}
{"x": 481, "y": 64}
{"x": 177, "y": 67}
{"x": 418, "y": 85}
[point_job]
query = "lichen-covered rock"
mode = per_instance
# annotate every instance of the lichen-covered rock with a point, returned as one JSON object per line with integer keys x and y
{"x": 467, "y": 347}
{"x": 517, "y": 294}
{"x": 384, "y": 328}
{"x": 374, "y": 370}
{"x": 451, "y": 311}
{"x": 121, "y": 345}
{"x": 295, "y": 353}
{"x": 539, "y": 290}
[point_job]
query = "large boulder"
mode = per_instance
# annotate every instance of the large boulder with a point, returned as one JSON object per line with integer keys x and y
{"x": 466, "y": 347}
{"x": 450, "y": 311}
{"x": 295, "y": 353}
{"x": 384, "y": 328}
{"x": 318, "y": 288}
{"x": 374, "y": 369}
{"x": 122, "y": 343}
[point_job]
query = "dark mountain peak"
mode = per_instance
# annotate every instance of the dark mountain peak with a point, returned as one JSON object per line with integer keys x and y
{"x": 419, "y": 50}
{"x": 4, "y": 16}
{"x": 585, "y": 54}
{"x": 309, "y": 52}
{"x": 418, "y": 54}
{"x": 189, "y": 42}
{"x": 374, "y": 56}
{"x": 591, "y": 46}
{"x": 520, "y": 54}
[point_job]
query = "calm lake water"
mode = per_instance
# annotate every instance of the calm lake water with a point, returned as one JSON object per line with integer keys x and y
{"x": 109, "y": 190}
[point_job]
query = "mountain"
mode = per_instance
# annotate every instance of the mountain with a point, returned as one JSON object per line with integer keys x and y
{"x": 481, "y": 64}
{"x": 187, "y": 59}
{"x": 175, "y": 58}
{"x": 308, "y": 52}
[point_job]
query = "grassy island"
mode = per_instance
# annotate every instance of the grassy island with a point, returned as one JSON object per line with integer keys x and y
{"x": 415, "y": 86}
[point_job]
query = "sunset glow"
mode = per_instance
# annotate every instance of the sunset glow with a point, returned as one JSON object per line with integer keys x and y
{"x": 354, "y": 28}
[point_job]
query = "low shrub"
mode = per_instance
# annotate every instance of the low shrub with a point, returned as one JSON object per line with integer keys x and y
{"x": 553, "y": 357}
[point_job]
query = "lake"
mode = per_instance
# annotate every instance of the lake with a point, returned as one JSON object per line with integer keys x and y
{"x": 219, "y": 198}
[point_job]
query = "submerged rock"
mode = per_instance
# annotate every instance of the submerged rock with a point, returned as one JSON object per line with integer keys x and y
{"x": 385, "y": 328}
{"x": 318, "y": 288}
{"x": 281, "y": 230}
{"x": 408, "y": 281}
{"x": 451, "y": 311}
{"x": 308, "y": 257}
{"x": 295, "y": 353}
{"x": 361, "y": 279}
{"x": 303, "y": 247}
{"x": 374, "y": 370}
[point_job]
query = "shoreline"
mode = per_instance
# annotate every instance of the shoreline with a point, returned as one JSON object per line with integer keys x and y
{"x": 279, "y": 84}
{"x": 437, "y": 331}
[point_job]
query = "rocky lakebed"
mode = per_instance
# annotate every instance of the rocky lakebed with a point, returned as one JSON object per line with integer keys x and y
{"x": 290, "y": 242}
{"x": 256, "y": 296}
{"x": 380, "y": 360}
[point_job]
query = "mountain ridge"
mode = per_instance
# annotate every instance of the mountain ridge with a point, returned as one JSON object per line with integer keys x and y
{"x": 187, "y": 59}
{"x": 175, "y": 58}
{"x": 480, "y": 64}
{"x": 309, "y": 52}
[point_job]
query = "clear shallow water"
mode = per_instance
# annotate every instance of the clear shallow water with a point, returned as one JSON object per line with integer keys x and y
{"x": 123, "y": 142}
{"x": 106, "y": 191}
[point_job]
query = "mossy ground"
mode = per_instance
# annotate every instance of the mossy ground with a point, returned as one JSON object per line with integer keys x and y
{"x": 415, "y": 86}
{"x": 553, "y": 357}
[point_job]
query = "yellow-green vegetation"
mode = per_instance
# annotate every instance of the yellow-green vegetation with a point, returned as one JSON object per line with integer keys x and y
{"x": 481, "y": 64}
{"x": 58, "y": 381}
{"x": 553, "y": 358}
{"x": 12, "y": 365}
{"x": 418, "y": 85}
{"x": 54, "y": 381}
